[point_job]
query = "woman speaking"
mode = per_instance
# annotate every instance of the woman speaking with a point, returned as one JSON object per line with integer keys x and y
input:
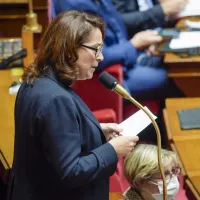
{"x": 61, "y": 151}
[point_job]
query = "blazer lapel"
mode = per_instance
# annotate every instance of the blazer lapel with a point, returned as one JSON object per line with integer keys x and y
{"x": 87, "y": 112}
{"x": 84, "y": 108}
{"x": 52, "y": 75}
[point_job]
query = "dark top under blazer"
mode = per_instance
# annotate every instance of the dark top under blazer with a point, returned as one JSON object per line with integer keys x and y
{"x": 60, "y": 150}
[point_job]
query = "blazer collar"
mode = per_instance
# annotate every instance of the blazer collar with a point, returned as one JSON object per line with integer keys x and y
{"x": 53, "y": 76}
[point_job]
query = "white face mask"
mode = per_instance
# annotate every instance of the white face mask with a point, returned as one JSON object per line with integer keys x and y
{"x": 172, "y": 189}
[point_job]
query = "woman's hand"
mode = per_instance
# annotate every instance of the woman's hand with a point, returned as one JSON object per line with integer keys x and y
{"x": 124, "y": 145}
{"x": 111, "y": 130}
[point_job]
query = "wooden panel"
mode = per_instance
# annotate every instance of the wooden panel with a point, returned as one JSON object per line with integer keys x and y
{"x": 169, "y": 135}
{"x": 174, "y": 58}
{"x": 37, "y": 3}
{"x": 189, "y": 151}
{"x": 180, "y": 161}
{"x": 196, "y": 183}
{"x": 186, "y": 76}
{"x": 191, "y": 188}
{"x": 27, "y": 43}
{"x": 6, "y": 116}
{"x": 13, "y": 1}
{"x": 116, "y": 196}
{"x": 13, "y": 17}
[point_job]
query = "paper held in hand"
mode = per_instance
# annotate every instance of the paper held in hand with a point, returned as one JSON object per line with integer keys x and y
{"x": 136, "y": 123}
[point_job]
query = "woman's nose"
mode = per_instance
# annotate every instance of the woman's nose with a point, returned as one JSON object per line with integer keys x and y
{"x": 100, "y": 57}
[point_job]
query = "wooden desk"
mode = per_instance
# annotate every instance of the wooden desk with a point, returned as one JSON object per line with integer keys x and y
{"x": 185, "y": 142}
{"x": 185, "y": 71}
{"x": 6, "y": 122}
{"x": 172, "y": 106}
{"x": 190, "y": 190}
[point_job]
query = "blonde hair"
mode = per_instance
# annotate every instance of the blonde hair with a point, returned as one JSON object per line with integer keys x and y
{"x": 142, "y": 163}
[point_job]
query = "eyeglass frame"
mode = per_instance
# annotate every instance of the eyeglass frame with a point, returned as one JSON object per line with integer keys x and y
{"x": 98, "y": 49}
{"x": 170, "y": 173}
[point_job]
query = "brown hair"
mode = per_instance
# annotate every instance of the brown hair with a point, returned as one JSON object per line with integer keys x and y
{"x": 58, "y": 47}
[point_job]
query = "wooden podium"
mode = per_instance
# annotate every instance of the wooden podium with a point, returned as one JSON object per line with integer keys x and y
{"x": 7, "y": 108}
{"x": 6, "y": 123}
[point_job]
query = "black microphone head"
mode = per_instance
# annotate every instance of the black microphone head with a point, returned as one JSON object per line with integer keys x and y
{"x": 107, "y": 80}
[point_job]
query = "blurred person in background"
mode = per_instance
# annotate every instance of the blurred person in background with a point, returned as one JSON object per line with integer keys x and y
{"x": 139, "y": 15}
{"x": 144, "y": 75}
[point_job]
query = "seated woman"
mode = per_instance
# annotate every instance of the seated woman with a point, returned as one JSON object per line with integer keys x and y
{"x": 142, "y": 172}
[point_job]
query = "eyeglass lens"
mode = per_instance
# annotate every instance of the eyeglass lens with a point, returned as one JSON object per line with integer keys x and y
{"x": 175, "y": 171}
{"x": 99, "y": 51}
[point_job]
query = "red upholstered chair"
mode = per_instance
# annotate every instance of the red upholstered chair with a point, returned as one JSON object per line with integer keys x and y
{"x": 105, "y": 104}
{"x": 105, "y": 115}
{"x": 129, "y": 108}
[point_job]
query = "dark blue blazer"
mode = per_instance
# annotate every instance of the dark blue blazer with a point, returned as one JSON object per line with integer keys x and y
{"x": 60, "y": 150}
{"x": 138, "y": 21}
{"x": 117, "y": 48}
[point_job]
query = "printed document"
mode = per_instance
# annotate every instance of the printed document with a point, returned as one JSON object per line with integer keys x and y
{"x": 192, "y": 8}
{"x": 186, "y": 40}
{"x": 136, "y": 123}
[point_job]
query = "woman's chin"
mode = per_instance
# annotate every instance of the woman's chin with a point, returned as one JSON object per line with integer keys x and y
{"x": 89, "y": 76}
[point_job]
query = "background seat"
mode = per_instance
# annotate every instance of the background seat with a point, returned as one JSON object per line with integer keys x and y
{"x": 97, "y": 97}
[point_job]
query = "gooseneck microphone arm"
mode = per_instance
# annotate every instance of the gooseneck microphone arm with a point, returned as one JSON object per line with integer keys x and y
{"x": 111, "y": 83}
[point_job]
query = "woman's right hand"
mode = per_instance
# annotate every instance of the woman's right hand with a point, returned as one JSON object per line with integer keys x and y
{"x": 124, "y": 145}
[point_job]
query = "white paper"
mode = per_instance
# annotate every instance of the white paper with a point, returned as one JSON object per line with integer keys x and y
{"x": 136, "y": 123}
{"x": 192, "y": 24}
{"x": 192, "y": 8}
{"x": 186, "y": 40}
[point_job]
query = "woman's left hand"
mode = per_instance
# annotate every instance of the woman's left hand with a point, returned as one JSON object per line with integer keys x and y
{"x": 111, "y": 130}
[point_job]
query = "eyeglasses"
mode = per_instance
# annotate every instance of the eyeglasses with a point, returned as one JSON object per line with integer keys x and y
{"x": 98, "y": 49}
{"x": 169, "y": 174}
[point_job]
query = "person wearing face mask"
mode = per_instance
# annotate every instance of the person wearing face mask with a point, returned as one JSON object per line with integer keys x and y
{"x": 61, "y": 151}
{"x": 142, "y": 172}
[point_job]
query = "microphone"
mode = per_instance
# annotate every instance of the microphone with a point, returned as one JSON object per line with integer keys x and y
{"x": 20, "y": 54}
{"x": 111, "y": 83}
